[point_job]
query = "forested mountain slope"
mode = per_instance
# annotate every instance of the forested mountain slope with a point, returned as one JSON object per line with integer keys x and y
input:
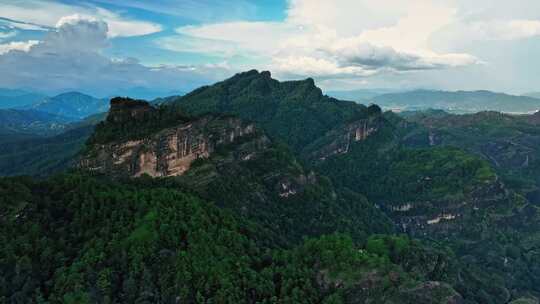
{"x": 210, "y": 196}
{"x": 97, "y": 241}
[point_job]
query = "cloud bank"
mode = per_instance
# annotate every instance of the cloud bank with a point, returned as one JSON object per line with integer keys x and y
{"x": 70, "y": 57}
{"x": 321, "y": 38}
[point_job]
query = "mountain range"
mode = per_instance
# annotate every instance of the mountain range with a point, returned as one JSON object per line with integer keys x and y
{"x": 459, "y": 101}
{"x": 10, "y": 98}
{"x": 456, "y": 101}
{"x": 360, "y": 95}
{"x": 253, "y": 190}
{"x": 72, "y": 105}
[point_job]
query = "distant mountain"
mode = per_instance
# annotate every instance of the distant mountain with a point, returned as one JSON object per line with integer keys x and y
{"x": 362, "y": 95}
{"x": 533, "y": 94}
{"x": 40, "y": 156}
{"x": 13, "y": 98}
{"x": 73, "y": 105}
{"x": 459, "y": 101}
{"x": 31, "y": 122}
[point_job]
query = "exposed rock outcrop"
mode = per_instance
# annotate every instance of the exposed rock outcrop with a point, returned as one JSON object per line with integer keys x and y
{"x": 170, "y": 152}
{"x": 339, "y": 140}
{"x": 447, "y": 217}
{"x": 167, "y": 152}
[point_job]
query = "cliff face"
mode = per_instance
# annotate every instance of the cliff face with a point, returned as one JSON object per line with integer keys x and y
{"x": 449, "y": 217}
{"x": 339, "y": 140}
{"x": 168, "y": 152}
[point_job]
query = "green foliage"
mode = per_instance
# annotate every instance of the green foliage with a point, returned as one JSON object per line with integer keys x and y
{"x": 133, "y": 119}
{"x": 295, "y": 111}
{"x": 42, "y": 156}
{"x": 85, "y": 240}
{"x": 400, "y": 175}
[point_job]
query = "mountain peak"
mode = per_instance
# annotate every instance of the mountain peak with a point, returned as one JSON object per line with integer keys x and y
{"x": 124, "y": 109}
{"x": 72, "y": 94}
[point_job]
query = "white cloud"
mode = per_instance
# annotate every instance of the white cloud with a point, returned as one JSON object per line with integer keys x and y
{"x": 17, "y": 46}
{"x": 372, "y": 57}
{"x": 344, "y": 38}
{"x": 302, "y": 66}
{"x": 46, "y": 14}
{"x": 70, "y": 58}
{"x": 6, "y": 35}
{"x": 238, "y": 37}
{"x": 504, "y": 30}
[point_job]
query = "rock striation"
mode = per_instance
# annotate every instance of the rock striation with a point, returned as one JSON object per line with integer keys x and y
{"x": 168, "y": 152}
{"x": 339, "y": 140}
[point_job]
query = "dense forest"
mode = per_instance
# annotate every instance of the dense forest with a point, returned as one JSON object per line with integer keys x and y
{"x": 324, "y": 201}
{"x": 82, "y": 239}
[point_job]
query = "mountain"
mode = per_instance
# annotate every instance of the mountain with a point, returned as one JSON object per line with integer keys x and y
{"x": 459, "y": 101}
{"x": 430, "y": 193}
{"x": 256, "y": 190}
{"x": 230, "y": 161}
{"x": 31, "y": 122}
{"x": 252, "y": 248}
{"x": 294, "y": 111}
{"x": 42, "y": 156}
{"x": 361, "y": 95}
{"x": 73, "y": 105}
{"x": 509, "y": 142}
{"x": 533, "y": 94}
{"x": 10, "y": 98}
{"x": 43, "y": 151}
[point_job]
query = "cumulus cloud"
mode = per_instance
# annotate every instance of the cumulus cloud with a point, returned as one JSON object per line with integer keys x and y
{"x": 44, "y": 15}
{"x": 322, "y": 39}
{"x": 302, "y": 66}
{"x": 70, "y": 57}
{"x": 373, "y": 57}
{"x": 23, "y": 46}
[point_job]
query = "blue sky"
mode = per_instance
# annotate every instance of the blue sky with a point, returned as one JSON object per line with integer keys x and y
{"x": 107, "y": 46}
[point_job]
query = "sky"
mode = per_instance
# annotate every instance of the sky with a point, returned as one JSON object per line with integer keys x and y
{"x": 103, "y": 47}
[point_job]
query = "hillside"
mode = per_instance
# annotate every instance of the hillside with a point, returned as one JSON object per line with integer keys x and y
{"x": 10, "y": 98}
{"x": 458, "y": 101}
{"x": 231, "y": 162}
{"x": 294, "y": 111}
{"x": 100, "y": 241}
{"x": 509, "y": 142}
{"x": 533, "y": 94}
{"x": 73, "y": 105}
{"x": 31, "y": 122}
{"x": 44, "y": 154}
{"x": 433, "y": 194}
{"x": 286, "y": 163}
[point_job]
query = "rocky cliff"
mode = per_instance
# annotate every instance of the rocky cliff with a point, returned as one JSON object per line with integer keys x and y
{"x": 167, "y": 152}
{"x": 339, "y": 140}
